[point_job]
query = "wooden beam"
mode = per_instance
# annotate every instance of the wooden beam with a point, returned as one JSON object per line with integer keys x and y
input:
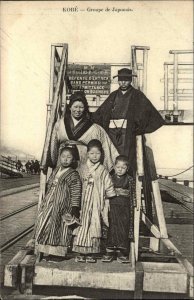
{"x": 137, "y": 212}
{"x": 140, "y": 170}
{"x": 139, "y": 278}
{"x": 164, "y": 278}
{"x": 154, "y": 243}
{"x": 100, "y": 276}
{"x": 54, "y": 109}
{"x": 145, "y": 61}
{"x": 153, "y": 228}
{"x": 184, "y": 262}
{"x": 159, "y": 209}
{"x": 140, "y": 47}
{"x": 11, "y": 269}
{"x": 132, "y": 254}
{"x": 27, "y": 269}
{"x": 155, "y": 187}
{"x": 181, "y": 51}
{"x": 165, "y": 86}
{"x": 150, "y": 157}
{"x": 175, "y": 82}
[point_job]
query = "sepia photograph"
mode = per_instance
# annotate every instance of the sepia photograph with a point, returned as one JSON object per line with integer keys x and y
{"x": 96, "y": 156}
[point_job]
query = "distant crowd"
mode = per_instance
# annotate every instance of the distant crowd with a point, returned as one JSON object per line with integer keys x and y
{"x": 30, "y": 167}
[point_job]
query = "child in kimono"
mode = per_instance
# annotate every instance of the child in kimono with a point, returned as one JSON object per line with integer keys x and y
{"x": 121, "y": 213}
{"x": 59, "y": 208}
{"x": 97, "y": 185}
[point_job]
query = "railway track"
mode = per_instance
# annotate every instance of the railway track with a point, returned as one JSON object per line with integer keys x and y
{"x": 18, "y": 223}
{"x": 20, "y": 235}
{"x": 18, "y": 211}
{"x": 186, "y": 207}
{"x": 16, "y": 238}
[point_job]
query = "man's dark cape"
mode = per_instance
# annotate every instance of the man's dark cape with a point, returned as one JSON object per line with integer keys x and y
{"x": 142, "y": 117}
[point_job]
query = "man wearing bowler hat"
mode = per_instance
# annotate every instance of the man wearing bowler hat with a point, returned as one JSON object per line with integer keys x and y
{"x": 127, "y": 112}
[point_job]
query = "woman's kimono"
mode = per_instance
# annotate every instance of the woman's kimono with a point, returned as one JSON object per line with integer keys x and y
{"x": 52, "y": 235}
{"x": 97, "y": 186}
{"x": 65, "y": 131}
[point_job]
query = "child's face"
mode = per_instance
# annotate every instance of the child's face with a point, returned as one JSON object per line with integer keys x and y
{"x": 66, "y": 158}
{"x": 94, "y": 155}
{"x": 121, "y": 168}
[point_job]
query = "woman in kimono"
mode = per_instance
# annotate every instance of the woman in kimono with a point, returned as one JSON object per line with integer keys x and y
{"x": 76, "y": 127}
{"x": 62, "y": 202}
{"x": 97, "y": 186}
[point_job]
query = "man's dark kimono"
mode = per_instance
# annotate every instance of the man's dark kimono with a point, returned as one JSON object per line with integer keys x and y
{"x": 137, "y": 116}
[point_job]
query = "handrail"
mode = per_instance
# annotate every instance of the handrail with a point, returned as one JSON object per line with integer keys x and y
{"x": 9, "y": 159}
{"x": 181, "y": 51}
{"x": 55, "y": 110}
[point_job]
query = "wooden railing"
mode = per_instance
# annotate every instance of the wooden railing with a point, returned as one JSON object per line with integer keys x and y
{"x": 56, "y": 94}
{"x": 8, "y": 162}
{"x": 177, "y": 73}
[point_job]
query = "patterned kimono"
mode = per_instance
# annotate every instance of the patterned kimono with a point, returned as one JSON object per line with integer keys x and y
{"x": 121, "y": 215}
{"x": 52, "y": 235}
{"x": 80, "y": 134}
{"x": 97, "y": 186}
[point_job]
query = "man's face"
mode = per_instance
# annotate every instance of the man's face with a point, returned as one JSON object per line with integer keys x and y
{"x": 124, "y": 85}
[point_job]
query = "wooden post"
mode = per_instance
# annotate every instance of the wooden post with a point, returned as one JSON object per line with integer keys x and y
{"x": 165, "y": 86}
{"x": 156, "y": 189}
{"x": 54, "y": 108}
{"x": 52, "y": 66}
{"x": 159, "y": 209}
{"x": 134, "y": 66}
{"x": 183, "y": 261}
{"x": 139, "y": 278}
{"x": 138, "y": 192}
{"x": 175, "y": 82}
{"x": 144, "y": 79}
{"x": 52, "y": 119}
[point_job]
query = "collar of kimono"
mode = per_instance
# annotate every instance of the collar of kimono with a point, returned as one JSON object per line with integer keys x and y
{"x": 61, "y": 172}
{"x": 120, "y": 94}
{"x": 58, "y": 174}
{"x": 92, "y": 167}
{"x": 75, "y": 132}
{"x": 124, "y": 93}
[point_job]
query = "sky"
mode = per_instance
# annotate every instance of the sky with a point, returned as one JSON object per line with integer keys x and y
{"x": 29, "y": 28}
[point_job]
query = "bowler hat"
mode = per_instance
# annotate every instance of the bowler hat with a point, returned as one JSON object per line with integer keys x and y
{"x": 125, "y": 74}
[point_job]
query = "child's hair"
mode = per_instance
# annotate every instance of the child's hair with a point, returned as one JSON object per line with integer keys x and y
{"x": 74, "y": 151}
{"x": 96, "y": 143}
{"x": 122, "y": 158}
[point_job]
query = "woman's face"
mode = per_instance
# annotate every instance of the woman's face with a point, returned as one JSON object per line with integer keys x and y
{"x": 77, "y": 110}
{"x": 66, "y": 158}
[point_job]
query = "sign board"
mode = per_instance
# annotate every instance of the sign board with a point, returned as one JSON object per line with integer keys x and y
{"x": 92, "y": 79}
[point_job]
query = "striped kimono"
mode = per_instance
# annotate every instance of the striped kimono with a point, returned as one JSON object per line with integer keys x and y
{"x": 52, "y": 235}
{"x": 97, "y": 186}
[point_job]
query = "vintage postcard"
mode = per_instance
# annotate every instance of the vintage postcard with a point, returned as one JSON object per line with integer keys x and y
{"x": 96, "y": 149}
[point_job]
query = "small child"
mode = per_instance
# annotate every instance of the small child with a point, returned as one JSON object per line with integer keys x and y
{"x": 121, "y": 213}
{"x": 97, "y": 185}
{"x": 59, "y": 208}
